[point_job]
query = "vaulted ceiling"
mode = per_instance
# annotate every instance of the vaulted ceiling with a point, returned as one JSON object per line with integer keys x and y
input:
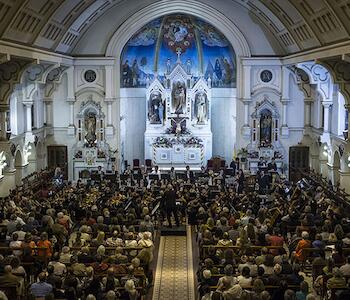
{"x": 58, "y": 25}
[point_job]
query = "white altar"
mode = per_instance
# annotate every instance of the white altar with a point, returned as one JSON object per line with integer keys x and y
{"x": 265, "y": 139}
{"x": 91, "y": 149}
{"x": 178, "y": 128}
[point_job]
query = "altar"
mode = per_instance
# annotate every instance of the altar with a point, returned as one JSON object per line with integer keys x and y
{"x": 178, "y": 127}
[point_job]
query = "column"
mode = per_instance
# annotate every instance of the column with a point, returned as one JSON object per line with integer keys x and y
{"x": 71, "y": 127}
{"x": 48, "y": 111}
{"x": 284, "y": 127}
{"x": 246, "y": 98}
{"x": 246, "y": 113}
{"x": 3, "y": 111}
{"x": 307, "y": 112}
{"x": 326, "y": 125}
{"x": 28, "y": 112}
{"x": 109, "y": 98}
{"x": 347, "y": 111}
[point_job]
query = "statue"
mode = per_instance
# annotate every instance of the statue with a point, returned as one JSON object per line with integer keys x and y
{"x": 201, "y": 108}
{"x": 155, "y": 108}
{"x": 265, "y": 128}
{"x": 90, "y": 128}
{"x": 179, "y": 98}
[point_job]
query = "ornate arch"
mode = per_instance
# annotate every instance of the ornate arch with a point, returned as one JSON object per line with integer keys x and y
{"x": 153, "y": 11}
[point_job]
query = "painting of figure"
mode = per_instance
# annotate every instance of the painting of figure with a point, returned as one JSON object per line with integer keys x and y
{"x": 90, "y": 128}
{"x": 265, "y": 128}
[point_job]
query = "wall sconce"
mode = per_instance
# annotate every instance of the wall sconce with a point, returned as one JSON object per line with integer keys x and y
{"x": 349, "y": 161}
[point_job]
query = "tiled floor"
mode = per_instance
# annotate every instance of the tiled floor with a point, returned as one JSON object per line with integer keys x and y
{"x": 174, "y": 277}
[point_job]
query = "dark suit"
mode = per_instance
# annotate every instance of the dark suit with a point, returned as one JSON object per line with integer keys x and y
{"x": 170, "y": 206}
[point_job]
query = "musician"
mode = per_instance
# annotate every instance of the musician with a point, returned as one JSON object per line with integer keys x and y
{"x": 261, "y": 163}
{"x": 156, "y": 171}
{"x": 272, "y": 166}
{"x": 172, "y": 174}
{"x": 189, "y": 174}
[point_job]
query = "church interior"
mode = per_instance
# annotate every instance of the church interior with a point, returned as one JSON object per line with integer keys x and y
{"x": 174, "y": 149}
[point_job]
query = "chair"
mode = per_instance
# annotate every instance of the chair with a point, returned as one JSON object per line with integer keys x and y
{"x": 148, "y": 164}
{"x": 222, "y": 164}
{"x": 136, "y": 164}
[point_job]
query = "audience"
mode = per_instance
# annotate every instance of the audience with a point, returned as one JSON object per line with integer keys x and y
{"x": 96, "y": 240}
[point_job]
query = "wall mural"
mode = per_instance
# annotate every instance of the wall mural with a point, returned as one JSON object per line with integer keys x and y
{"x": 164, "y": 42}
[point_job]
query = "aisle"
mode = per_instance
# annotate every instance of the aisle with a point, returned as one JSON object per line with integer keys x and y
{"x": 174, "y": 277}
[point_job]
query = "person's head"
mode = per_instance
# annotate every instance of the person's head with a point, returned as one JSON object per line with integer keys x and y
{"x": 206, "y": 274}
{"x": 228, "y": 270}
{"x": 304, "y": 287}
{"x": 289, "y": 295}
{"x": 246, "y": 272}
{"x": 7, "y": 269}
{"x": 111, "y": 295}
{"x": 265, "y": 295}
{"x": 337, "y": 273}
{"x": 90, "y": 297}
{"x": 14, "y": 236}
{"x": 89, "y": 271}
{"x": 305, "y": 235}
{"x": 277, "y": 269}
{"x": 50, "y": 269}
{"x": 44, "y": 236}
{"x": 258, "y": 286}
{"x": 129, "y": 285}
{"x": 261, "y": 271}
{"x": 15, "y": 262}
{"x": 310, "y": 297}
{"x": 42, "y": 277}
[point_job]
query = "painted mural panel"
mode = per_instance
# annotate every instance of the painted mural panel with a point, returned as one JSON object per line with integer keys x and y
{"x": 173, "y": 39}
{"x": 138, "y": 56}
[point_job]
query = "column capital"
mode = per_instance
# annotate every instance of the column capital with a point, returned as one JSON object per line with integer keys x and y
{"x": 285, "y": 100}
{"x": 47, "y": 99}
{"x": 308, "y": 100}
{"x": 71, "y": 99}
{"x": 110, "y": 100}
{"x": 327, "y": 104}
{"x": 246, "y": 100}
{"x": 28, "y": 103}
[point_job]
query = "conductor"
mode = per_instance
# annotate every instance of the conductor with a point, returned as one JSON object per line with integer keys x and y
{"x": 170, "y": 205}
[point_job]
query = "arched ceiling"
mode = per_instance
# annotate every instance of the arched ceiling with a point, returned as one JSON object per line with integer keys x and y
{"x": 59, "y": 25}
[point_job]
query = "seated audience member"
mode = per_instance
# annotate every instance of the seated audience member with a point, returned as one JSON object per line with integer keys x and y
{"x": 41, "y": 289}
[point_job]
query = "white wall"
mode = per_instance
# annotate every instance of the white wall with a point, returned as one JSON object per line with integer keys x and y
{"x": 223, "y": 122}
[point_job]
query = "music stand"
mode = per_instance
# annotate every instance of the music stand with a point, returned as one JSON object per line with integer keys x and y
{"x": 181, "y": 176}
{"x": 165, "y": 176}
{"x": 153, "y": 177}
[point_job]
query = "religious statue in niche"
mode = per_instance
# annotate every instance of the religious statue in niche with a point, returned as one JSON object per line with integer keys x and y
{"x": 90, "y": 128}
{"x": 156, "y": 108}
{"x": 201, "y": 108}
{"x": 265, "y": 128}
{"x": 178, "y": 98}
